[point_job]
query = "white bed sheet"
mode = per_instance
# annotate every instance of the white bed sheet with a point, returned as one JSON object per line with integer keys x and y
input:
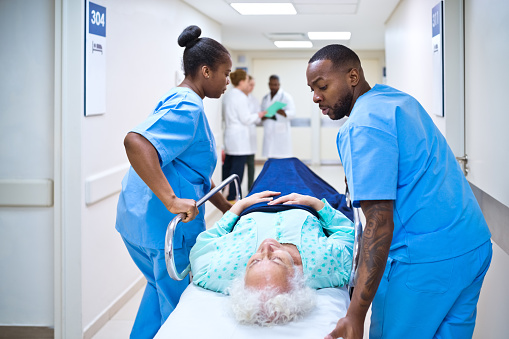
{"x": 205, "y": 314}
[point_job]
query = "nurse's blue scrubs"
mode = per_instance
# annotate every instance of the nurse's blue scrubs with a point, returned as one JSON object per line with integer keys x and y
{"x": 179, "y": 131}
{"x": 441, "y": 249}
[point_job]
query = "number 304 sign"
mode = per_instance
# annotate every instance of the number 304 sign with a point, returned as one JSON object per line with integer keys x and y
{"x": 95, "y": 60}
{"x": 97, "y": 19}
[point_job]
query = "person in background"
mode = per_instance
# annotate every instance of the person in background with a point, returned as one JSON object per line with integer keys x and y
{"x": 426, "y": 247}
{"x": 277, "y": 137}
{"x": 237, "y": 119}
{"x": 172, "y": 155}
{"x": 254, "y": 107}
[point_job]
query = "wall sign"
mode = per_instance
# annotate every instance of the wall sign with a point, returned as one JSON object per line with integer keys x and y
{"x": 95, "y": 60}
{"x": 437, "y": 41}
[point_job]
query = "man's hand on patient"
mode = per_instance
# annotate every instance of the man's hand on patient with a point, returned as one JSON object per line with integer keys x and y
{"x": 242, "y": 204}
{"x": 299, "y": 199}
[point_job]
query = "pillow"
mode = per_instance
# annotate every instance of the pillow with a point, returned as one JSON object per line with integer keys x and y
{"x": 205, "y": 314}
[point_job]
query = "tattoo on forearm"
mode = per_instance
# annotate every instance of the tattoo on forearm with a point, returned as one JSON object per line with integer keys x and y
{"x": 375, "y": 246}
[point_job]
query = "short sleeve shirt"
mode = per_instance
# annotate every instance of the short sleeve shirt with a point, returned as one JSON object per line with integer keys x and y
{"x": 178, "y": 129}
{"x": 391, "y": 150}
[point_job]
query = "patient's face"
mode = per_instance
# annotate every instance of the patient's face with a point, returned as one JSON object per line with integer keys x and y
{"x": 272, "y": 265}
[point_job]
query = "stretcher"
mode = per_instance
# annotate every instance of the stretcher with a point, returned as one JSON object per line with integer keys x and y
{"x": 205, "y": 314}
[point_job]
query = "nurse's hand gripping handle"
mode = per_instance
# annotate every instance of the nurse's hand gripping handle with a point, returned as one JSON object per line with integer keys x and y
{"x": 356, "y": 242}
{"x": 170, "y": 231}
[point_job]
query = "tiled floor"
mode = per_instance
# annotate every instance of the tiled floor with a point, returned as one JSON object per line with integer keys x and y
{"x": 120, "y": 325}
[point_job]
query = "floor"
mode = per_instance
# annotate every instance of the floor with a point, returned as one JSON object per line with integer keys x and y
{"x": 121, "y": 323}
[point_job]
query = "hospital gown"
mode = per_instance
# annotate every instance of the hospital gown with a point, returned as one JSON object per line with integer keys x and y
{"x": 221, "y": 253}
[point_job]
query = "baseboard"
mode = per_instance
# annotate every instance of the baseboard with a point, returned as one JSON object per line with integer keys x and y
{"x": 26, "y": 332}
{"x": 112, "y": 309}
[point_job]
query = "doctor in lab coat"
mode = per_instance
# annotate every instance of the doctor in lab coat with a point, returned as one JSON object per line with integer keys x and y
{"x": 238, "y": 119}
{"x": 277, "y": 137}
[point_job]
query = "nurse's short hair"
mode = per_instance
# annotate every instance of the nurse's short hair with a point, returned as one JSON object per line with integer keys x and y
{"x": 267, "y": 307}
{"x": 237, "y": 76}
{"x": 200, "y": 51}
{"x": 340, "y": 55}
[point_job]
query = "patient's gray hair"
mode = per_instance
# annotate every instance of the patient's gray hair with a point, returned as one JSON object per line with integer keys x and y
{"x": 268, "y": 306}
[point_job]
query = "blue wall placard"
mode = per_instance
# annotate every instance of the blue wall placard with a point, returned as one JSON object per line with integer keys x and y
{"x": 436, "y": 19}
{"x": 437, "y": 42}
{"x": 95, "y": 59}
{"x": 97, "y": 17}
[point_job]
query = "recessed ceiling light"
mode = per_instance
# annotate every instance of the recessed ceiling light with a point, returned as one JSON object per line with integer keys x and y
{"x": 293, "y": 44}
{"x": 251, "y": 8}
{"x": 329, "y": 35}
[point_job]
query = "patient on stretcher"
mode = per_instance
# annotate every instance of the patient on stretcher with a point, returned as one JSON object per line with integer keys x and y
{"x": 270, "y": 263}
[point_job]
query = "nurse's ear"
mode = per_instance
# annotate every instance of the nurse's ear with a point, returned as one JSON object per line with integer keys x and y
{"x": 205, "y": 71}
{"x": 354, "y": 77}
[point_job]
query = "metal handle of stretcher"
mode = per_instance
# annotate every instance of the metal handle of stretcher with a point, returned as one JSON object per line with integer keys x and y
{"x": 356, "y": 242}
{"x": 170, "y": 231}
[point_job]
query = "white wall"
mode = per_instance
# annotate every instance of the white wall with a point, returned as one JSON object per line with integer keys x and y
{"x": 409, "y": 68}
{"x": 143, "y": 62}
{"x": 408, "y": 53}
{"x": 26, "y": 153}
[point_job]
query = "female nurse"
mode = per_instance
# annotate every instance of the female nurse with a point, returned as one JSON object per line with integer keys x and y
{"x": 172, "y": 155}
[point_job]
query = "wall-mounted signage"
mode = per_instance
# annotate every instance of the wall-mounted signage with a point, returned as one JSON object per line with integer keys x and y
{"x": 437, "y": 39}
{"x": 95, "y": 60}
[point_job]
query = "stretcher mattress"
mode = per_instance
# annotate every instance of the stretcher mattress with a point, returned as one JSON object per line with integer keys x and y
{"x": 205, "y": 314}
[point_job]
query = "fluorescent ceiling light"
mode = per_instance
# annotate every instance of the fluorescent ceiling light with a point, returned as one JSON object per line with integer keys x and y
{"x": 251, "y": 8}
{"x": 293, "y": 44}
{"x": 329, "y": 35}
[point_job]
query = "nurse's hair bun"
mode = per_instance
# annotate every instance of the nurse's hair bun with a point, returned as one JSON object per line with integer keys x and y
{"x": 190, "y": 34}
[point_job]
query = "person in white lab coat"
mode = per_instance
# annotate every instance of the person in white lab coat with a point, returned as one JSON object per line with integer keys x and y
{"x": 254, "y": 107}
{"x": 237, "y": 121}
{"x": 277, "y": 137}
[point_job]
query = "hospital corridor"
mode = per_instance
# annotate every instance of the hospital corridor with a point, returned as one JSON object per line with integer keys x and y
{"x": 382, "y": 123}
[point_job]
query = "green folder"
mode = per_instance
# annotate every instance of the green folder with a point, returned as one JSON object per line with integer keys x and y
{"x": 271, "y": 111}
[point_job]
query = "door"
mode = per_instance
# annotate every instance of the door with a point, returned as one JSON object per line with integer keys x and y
{"x": 486, "y": 86}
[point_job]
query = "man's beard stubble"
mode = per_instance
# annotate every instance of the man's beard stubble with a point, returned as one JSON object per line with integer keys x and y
{"x": 342, "y": 109}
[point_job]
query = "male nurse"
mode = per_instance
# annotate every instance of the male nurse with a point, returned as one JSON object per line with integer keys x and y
{"x": 426, "y": 246}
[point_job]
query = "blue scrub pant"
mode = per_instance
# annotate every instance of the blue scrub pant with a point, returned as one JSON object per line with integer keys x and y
{"x": 162, "y": 293}
{"x": 430, "y": 300}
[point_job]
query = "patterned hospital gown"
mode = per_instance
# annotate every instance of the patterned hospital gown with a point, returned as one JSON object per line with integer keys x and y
{"x": 220, "y": 254}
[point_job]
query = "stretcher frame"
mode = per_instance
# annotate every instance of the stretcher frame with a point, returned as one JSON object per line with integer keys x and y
{"x": 170, "y": 230}
{"x": 356, "y": 243}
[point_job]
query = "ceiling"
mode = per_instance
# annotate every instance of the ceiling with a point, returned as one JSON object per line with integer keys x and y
{"x": 363, "y": 18}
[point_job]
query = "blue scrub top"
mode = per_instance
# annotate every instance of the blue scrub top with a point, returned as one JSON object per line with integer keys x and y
{"x": 179, "y": 130}
{"x": 391, "y": 150}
